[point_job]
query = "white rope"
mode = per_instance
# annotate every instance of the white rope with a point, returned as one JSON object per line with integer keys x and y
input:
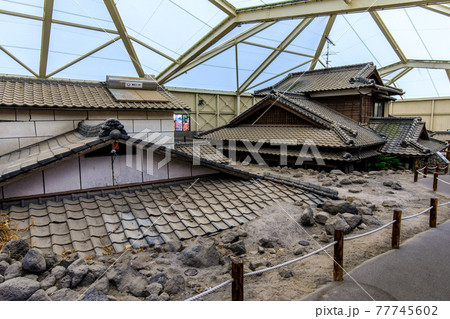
{"x": 210, "y": 291}
{"x": 289, "y": 262}
{"x": 415, "y": 215}
{"x": 443, "y": 204}
{"x": 370, "y": 232}
{"x": 434, "y": 167}
{"x": 421, "y": 169}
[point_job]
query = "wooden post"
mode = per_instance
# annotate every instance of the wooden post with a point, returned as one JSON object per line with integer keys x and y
{"x": 338, "y": 255}
{"x": 435, "y": 181}
{"x": 437, "y": 168}
{"x": 446, "y": 169}
{"x": 416, "y": 173}
{"x": 237, "y": 287}
{"x": 425, "y": 171}
{"x": 433, "y": 212}
{"x": 396, "y": 229}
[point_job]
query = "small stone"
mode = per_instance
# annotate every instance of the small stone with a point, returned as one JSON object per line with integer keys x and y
{"x": 362, "y": 226}
{"x": 164, "y": 296}
{"x": 238, "y": 248}
{"x": 77, "y": 270}
{"x": 34, "y": 262}
{"x": 303, "y": 243}
{"x": 356, "y": 173}
{"x": 191, "y": 272}
{"x": 39, "y": 295}
{"x": 359, "y": 181}
{"x": 173, "y": 246}
{"x": 285, "y": 273}
{"x": 255, "y": 265}
{"x": 51, "y": 259}
{"x": 390, "y": 203}
{"x": 230, "y": 237}
{"x": 397, "y": 186}
{"x": 3, "y": 266}
{"x": 64, "y": 282}
{"x": 337, "y": 222}
{"x": 94, "y": 295}
{"x": 50, "y": 291}
{"x": 88, "y": 280}
{"x": 298, "y": 174}
{"x": 48, "y": 281}
{"x": 160, "y": 278}
{"x": 13, "y": 271}
{"x": 175, "y": 285}
{"x": 307, "y": 217}
{"x": 31, "y": 276}
{"x": 336, "y": 172}
{"x": 154, "y": 288}
{"x": 260, "y": 250}
{"x": 5, "y": 257}
{"x": 364, "y": 211}
{"x": 388, "y": 183}
{"x": 355, "y": 190}
{"x": 2, "y": 279}
{"x": 327, "y": 183}
{"x": 370, "y": 220}
{"x": 352, "y": 220}
{"x": 203, "y": 253}
{"x": 299, "y": 251}
{"x": 97, "y": 269}
{"x": 321, "y": 217}
{"x": 16, "y": 248}
{"x": 339, "y": 206}
{"x": 268, "y": 242}
{"x": 324, "y": 238}
{"x": 58, "y": 272}
{"x": 345, "y": 181}
{"x": 65, "y": 294}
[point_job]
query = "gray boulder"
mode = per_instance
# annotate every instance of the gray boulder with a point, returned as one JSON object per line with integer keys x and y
{"x": 202, "y": 253}
{"x": 336, "y": 172}
{"x": 307, "y": 217}
{"x": 58, "y": 272}
{"x": 87, "y": 280}
{"x": 160, "y": 278}
{"x": 19, "y": 289}
{"x": 337, "y": 222}
{"x": 154, "y": 288}
{"x": 16, "y": 248}
{"x": 345, "y": 181}
{"x": 390, "y": 203}
{"x": 94, "y": 295}
{"x": 321, "y": 217}
{"x": 173, "y": 246}
{"x": 352, "y": 220}
{"x": 2, "y": 279}
{"x": 359, "y": 181}
{"x": 230, "y": 237}
{"x": 397, "y": 186}
{"x": 3, "y": 266}
{"x": 51, "y": 259}
{"x": 269, "y": 242}
{"x": 13, "y": 271}
{"x": 102, "y": 285}
{"x": 48, "y": 282}
{"x": 34, "y": 262}
{"x": 5, "y": 257}
{"x": 77, "y": 270}
{"x": 127, "y": 279}
{"x": 362, "y": 210}
{"x": 64, "y": 282}
{"x": 339, "y": 207}
{"x": 388, "y": 183}
{"x": 39, "y": 295}
{"x": 285, "y": 273}
{"x": 97, "y": 269}
{"x": 65, "y": 294}
{"x": 175, "y": 285}
{"x": 237, "y": 248}
{"x": 371, "y": 220}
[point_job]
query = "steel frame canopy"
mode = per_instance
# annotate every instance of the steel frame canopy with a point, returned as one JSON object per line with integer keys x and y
{"x": 259, "y": 17}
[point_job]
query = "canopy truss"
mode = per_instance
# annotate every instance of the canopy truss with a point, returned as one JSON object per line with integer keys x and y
{"x": 215, "y": 41}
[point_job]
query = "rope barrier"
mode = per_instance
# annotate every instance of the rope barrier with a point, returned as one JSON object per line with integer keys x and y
{"x": 443, "y": 204}
{"x": 289, "y": 262}
{"x": 210, "y": 291}
{"x": 370, "y": 232}
{"x": 445, "y": 182}
{"x": 415, "y": 215}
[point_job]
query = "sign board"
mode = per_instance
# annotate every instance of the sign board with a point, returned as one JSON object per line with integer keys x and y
{"x": 135, "y": 85}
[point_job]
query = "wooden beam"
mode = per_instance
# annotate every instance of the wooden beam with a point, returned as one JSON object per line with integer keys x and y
{"x": 421, "y": 64}
{"x": 438, "y": 8}
{"x": 387, "y": 34}
{"x": 398, "y": 76}
{"x": 322, "y": 41}
{"x": 45, "y": 38}
{"x": 115, "y": 16}
{"x": 273, "y": 48}
{"x": 288, "y": 40}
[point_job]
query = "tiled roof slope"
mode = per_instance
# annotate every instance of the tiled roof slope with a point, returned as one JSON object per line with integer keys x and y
{"x": 49, "y": 93}
{"x": 150, "y": 215}
{"x": 203, "y": 150}
{"x": 403, "y": 136}
{"x": 443, "y": 136}
{"x": 50, "y": 150}
{"x": 337, "y": 78}
{"x": 340, "y": 132}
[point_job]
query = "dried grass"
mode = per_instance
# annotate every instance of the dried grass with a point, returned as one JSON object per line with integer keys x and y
{"x": 9, "y": 229}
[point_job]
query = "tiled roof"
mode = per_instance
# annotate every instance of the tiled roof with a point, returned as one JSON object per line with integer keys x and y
{"x": 443, "y": 136}
{"x": 51, "y": 150}
{"x": 403, "y": 136}
{"x": 339, "y": 131}
{"x": 147, "y": 216}
{"x": 337, "y": 78}
{"x": 48, "y": 93}
{"x": 203, "y": 150}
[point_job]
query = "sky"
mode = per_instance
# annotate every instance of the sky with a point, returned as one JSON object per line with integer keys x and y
{"x": 172, "y": 26}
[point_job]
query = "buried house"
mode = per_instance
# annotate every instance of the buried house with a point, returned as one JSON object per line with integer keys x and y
{"x": 96, "y": 190}
{"x": 318, "y": 118}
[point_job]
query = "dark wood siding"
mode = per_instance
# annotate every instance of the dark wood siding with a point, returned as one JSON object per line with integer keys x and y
{"x": 359, "y": 108}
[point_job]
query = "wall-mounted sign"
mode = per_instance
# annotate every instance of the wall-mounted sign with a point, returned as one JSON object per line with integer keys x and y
{"x": 135, "y": 85}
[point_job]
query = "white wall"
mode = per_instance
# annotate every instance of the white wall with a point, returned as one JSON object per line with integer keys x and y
{"x": 22, "y": 127}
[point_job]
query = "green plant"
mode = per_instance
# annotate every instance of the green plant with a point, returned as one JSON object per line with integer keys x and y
{"x": 385, "y": 162}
